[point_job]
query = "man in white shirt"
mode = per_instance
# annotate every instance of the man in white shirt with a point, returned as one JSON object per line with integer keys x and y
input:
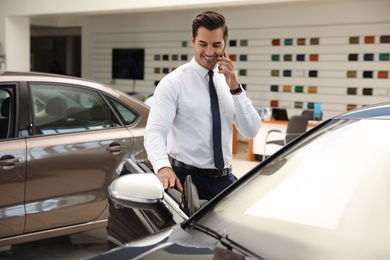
{"x": 180, "y": 122}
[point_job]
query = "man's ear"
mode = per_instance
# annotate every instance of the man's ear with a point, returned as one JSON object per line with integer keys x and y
{"x": 193, "y": 40}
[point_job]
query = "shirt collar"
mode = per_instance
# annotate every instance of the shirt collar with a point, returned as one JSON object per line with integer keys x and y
{"x": 199, "y": 69}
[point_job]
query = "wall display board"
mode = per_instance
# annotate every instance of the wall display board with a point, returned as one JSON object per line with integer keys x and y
{"x": 339, "y": 66}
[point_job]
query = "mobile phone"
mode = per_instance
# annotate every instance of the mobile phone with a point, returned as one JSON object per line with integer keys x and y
{"x": 224, "y": 54}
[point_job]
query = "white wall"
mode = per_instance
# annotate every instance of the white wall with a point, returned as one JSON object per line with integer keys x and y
{"x": 333, "y": 22}
{"x": 167, "y": 24}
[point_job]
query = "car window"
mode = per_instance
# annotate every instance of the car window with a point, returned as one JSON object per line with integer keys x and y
{"x": 64, "y": 109}
{"x": 335, "y": 180}
{"x": 5, "y": 112}
{"x": 127, "y": 116}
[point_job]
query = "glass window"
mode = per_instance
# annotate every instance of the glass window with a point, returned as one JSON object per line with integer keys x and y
{"x": 127, "y": 116}
{"x": 334, "y": 182}
{"x": 64, "y": 109}
{"x": 5, "y": 112}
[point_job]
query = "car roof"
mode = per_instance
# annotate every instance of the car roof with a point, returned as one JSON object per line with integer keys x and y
{"x": 377, "y": 111}
{"x": 47, "y": 77}
{"x": 26, "y": 74}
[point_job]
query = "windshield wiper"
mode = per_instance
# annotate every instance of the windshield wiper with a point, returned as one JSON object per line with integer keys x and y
{"x": 224, "y": 240}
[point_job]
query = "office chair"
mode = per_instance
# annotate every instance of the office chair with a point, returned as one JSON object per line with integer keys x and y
{"x": 296, "y": 126}
{"x": 310, "y": 114}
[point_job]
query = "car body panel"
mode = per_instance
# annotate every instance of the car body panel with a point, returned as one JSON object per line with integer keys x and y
{"x": 12, "y": 191}
{"x": 67, "y": 153}
{"x": 171, "y": 243}
{"x": 325, "y": 195}
{"x": 68, "y": 176}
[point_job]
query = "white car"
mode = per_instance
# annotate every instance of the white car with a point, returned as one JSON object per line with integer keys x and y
{"x": 326, "y": 195}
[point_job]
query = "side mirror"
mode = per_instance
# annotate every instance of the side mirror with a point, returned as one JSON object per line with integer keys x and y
{"x": 141, "y": 191}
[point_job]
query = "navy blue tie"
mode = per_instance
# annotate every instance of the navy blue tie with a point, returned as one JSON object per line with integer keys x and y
{"x": 217, "y": 144}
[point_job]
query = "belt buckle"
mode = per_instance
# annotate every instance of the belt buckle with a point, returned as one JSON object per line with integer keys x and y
{"x": 215, "y": 173}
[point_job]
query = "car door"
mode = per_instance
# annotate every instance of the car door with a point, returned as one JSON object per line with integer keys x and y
{"x": 12, "y": 166}
{"x": 77, "y": 148}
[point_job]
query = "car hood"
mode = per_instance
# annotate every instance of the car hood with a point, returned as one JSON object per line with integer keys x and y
{"x": 172, "y": 243}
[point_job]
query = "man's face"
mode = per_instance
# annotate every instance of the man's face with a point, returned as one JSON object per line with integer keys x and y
{"x": 208, "y": 46}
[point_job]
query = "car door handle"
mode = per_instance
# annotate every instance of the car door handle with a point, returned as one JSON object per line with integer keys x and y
{"x": 11, "y": 161}
{"x": 115, "y": 148}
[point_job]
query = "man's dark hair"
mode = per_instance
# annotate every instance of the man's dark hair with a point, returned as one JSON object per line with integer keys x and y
{"x": 211, "y": 21}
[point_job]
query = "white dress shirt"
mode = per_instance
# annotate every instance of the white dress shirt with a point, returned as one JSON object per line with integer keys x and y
{"x": 180, "y": 120}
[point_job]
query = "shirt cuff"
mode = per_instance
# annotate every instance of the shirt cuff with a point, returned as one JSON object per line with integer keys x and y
{"x": 161, "y": 164}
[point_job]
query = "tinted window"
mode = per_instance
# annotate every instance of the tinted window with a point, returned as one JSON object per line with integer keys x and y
{"x": 63, "y": 109}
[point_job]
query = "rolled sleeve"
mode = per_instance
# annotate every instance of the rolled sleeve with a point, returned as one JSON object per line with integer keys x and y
{"x": 246, "y": 118}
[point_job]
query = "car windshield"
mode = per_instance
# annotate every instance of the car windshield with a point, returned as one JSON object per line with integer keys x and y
{"x": 326, "y": 194}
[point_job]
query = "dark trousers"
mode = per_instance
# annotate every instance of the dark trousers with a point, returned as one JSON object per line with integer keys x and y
{"x": 207, "y": 187}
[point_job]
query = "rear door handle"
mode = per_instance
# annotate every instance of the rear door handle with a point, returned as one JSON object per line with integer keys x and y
{"x": 9, "y": 161}
{"x": 115, "y": 148}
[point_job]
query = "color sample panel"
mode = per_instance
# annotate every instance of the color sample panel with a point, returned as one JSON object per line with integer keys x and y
{"x": 299, "y": 89}
{"x": 301, "y": 41}
{"x": 367, "y": 91}
{"x": 288, "y": 42}
{"x": 313, "y": 73}
{"x": 384, "y": 56}
{"x": 275, "y": 42}
{"x": 353, "y": 57}
{"x": 367, "y": 74}
{"x": 233, "y": 43}
{"x": 286, "y": 88}
{"x": 244, "y": 43}
{"x": 300, "y": 57}
{"x": 368, "y": 57}
{"x": 275, "y": 57}
{"x": 384, "y": 39}
{"x": 383, "y": 74}
{"x": 274, "y": 88}
{"x": 351, "y": 74}
{"x": 354, "y": 40}
{"x": 369, "y": 39}
{"x": 287, "y": 57}
{"x": 351, "y": 91}
{"x": 313, "y": 57}
{"x": 243, "y": 57}
{"x": 298, "y": 104}
{"x": 274, "y": 103}
{"x": 312, "y": 89}
{"x": 287, "y": 73}
{"x": 314, "y": 41}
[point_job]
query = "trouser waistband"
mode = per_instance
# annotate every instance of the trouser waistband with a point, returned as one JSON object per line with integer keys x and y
{"x": 214, "y": 173}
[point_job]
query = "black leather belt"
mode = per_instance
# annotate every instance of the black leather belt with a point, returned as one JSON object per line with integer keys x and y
{"x": 214, "y": 173}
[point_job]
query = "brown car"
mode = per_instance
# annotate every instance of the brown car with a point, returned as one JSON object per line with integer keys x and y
{"x": 62, "y": 142}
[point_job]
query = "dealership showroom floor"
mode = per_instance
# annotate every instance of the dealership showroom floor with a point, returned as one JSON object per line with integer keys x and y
{"x": 91, "y": 243}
